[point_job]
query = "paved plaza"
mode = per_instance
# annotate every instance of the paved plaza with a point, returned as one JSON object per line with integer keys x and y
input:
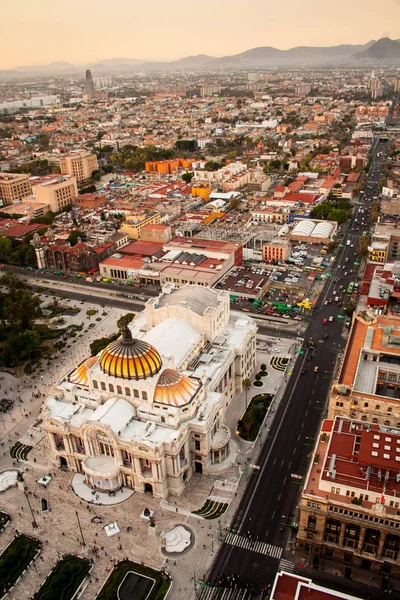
{"x": 70, "y": 517}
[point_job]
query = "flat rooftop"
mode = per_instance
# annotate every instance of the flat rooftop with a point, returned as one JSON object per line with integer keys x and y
{"x": 377, "y": 335}
{"x": 288, "y": 586}
{"x": 359, "y": 456}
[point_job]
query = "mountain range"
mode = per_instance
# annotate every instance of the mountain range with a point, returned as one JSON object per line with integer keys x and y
{"x": 373, "y": 52}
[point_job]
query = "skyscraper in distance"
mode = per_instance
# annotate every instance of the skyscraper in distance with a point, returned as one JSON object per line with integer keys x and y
{"x": 89, "y": 83}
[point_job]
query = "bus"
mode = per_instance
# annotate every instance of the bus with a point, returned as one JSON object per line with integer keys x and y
{"x": 350, "y": 288}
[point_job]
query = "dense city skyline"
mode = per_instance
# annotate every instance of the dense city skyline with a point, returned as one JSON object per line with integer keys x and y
{"x": 36, "y": 34}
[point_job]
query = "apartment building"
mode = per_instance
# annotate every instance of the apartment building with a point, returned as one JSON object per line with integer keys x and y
{"x": 368, "y": 385}
{"x": 80, "y": 165}
{"x": 276, "y": 251}
{"x": 166, "y": 167}
{"x": 135, "y": 222}
{"x": 346, "y": 163}
{"x": 202, "y": 191}
{"x": 55, "y": 190}
{"x": 13, "y": 188}
{"x": 350, "y": 505}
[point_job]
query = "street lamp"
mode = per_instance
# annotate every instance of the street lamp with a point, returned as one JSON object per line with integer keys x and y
{"x": 80, "y": 529}
{"x": 35, "y": 525}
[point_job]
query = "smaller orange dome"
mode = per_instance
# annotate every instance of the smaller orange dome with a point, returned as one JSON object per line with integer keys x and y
{"x": 80, "y": 374}
{"x": 174, "y": 389}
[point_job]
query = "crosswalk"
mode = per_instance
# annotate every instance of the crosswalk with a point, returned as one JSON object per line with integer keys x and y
{"x": 286, "y": 565}
{"x": 220, "y": 593}
{"x": 247, "y": 543}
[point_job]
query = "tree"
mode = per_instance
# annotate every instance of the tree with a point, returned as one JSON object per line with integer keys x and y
{"x": 20, "y": 307}
{"x": 98, "y": 345}
{"x": 96, "y": 175}
{"x": 30, "y": 340}
{"x": 44, "y": 141}
{"x": 263, "y": 367}
{"x": 234, "y": 203}
{"x": 246, "y": 385}
{"x": 364, "y": 242}
{"x": 188, "y": 176}
{"x": 73, "y": 237}
{"x": 47, "y": 218}
{"x": 124, "y": 321}
{"x": 90, "y": 189}
{"x": 212, "y": 165}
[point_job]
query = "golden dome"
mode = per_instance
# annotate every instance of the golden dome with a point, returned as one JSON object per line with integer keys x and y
{"x": 80, "y": 374}
{"x": 130, "y": 358}
{"x": 174, "y": 389}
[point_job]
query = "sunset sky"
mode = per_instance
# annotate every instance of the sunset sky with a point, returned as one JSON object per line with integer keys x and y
{"x": 81, "y": 31}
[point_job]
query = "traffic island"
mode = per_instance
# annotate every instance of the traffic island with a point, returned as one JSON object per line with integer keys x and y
{"x": 251, "y": 421}
{"x": 15, "y": 560}
{"x": 65, "y": 579}
{"x": 130, "y": 580}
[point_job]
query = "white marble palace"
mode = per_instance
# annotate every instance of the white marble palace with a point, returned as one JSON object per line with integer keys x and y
{"x": 149, "y": 410}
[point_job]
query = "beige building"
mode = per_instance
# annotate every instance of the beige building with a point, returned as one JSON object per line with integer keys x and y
{"x": 55, "y": 190}
{"x": 149, "y": 410}
{"x": 80, "y": 165}
{"x": 13, "y": 188}
{"x": 349, "y": 507}
{"x": 135, "y": 222}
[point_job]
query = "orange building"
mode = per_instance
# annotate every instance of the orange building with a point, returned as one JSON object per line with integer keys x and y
{"x": 201, "y": 191}
{"x": 166, "y": 167}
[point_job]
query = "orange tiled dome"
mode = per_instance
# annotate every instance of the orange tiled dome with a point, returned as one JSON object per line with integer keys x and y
{"x": 130, "y": 358}
{"x": 174, "y": 389}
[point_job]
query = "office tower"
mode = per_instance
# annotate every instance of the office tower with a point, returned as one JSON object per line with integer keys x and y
{"x": 89, "y": 83}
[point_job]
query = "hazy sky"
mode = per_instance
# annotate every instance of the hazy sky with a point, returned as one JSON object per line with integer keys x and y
{"x": 80, "y": 31}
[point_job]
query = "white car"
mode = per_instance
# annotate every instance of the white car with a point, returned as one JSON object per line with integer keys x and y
{"x": 330, "y": 319}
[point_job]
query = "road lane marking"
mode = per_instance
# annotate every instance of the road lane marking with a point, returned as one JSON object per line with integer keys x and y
{"x": 246, "y": 543}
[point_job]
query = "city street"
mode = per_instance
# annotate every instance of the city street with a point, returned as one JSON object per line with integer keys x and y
{"x": 270, "y": 500}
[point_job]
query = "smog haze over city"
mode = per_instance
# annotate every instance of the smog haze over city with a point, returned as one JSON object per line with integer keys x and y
{"x": 43, "y": 32}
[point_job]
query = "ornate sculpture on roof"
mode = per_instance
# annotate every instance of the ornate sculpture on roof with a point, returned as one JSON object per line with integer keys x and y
{"x": 50, "y": 235}
{"x": 36, "y": 241}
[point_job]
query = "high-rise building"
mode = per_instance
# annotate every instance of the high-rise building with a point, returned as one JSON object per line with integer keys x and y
{"x": 302, "y": 89}
{"x": 89, "y": 83}
{"x": 80, "y": 165}
{"x": 13, "y": 187}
